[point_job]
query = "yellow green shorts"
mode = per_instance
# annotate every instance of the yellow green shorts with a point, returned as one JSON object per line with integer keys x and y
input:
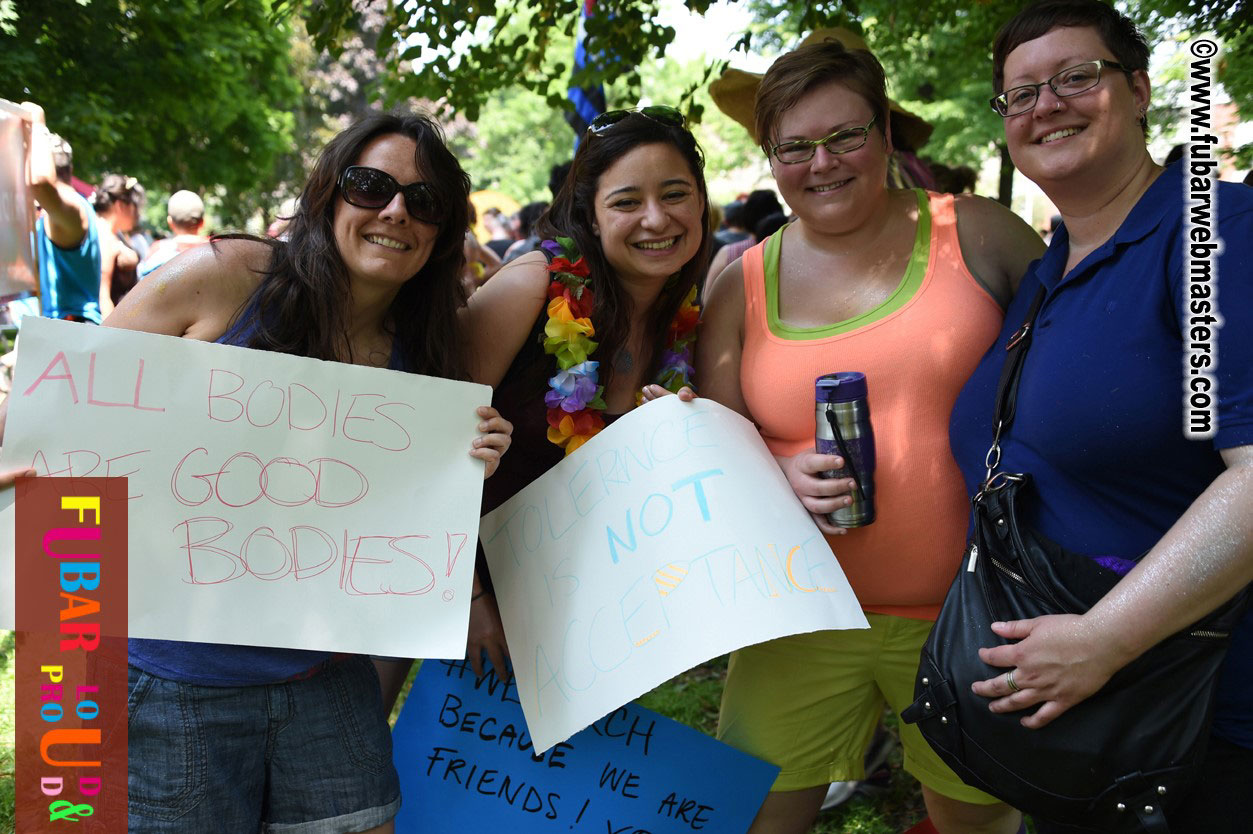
{"x": 810, "y": 704}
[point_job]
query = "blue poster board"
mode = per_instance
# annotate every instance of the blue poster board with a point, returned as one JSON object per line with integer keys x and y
{"x": 466, "y": 764}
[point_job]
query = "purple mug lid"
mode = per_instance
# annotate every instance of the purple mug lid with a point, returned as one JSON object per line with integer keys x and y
{"x": 840, "y": 387}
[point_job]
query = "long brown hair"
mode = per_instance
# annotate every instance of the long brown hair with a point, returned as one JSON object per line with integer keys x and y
{"x": 301, "y": 305}
{"x": 573, "y": 215}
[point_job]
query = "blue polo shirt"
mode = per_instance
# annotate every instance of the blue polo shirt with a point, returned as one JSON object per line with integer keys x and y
{"x": 1101, "y": 404}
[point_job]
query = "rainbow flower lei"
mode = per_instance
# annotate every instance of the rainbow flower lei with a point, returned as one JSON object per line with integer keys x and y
{"x": 575, "y": 398}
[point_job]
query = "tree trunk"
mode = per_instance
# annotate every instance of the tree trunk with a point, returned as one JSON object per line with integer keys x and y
{"x": 1006, "y": 189}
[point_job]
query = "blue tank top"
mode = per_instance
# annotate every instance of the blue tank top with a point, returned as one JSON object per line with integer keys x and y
{"x": 69, "y": 279}
{"x": 219, "y": 664}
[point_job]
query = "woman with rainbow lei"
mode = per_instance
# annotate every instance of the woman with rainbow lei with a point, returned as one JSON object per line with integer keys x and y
{"x": 571, "y": 336}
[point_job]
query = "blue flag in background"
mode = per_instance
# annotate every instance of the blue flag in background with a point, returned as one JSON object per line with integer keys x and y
{"x": 589, "y": 102}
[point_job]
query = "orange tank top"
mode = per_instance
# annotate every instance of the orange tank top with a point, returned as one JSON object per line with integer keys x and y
{"x": 916, "y": 350}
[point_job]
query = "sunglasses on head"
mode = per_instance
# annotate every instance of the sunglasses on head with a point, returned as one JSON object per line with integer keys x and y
{"x": 662, "y": 113}
{"x": 371, "y": 188}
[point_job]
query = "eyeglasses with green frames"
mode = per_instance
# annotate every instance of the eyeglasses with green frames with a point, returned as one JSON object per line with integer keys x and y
{"x": 841, "y": 141}
{"x": 1069, "y": 82}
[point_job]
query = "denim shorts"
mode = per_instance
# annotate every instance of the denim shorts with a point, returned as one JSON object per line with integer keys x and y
{"x": 312, "y": 756}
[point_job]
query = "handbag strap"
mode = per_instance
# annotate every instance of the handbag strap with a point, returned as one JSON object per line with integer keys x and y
{"x": 1007, "y": 386}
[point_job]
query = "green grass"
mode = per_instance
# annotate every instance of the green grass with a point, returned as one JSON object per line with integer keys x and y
{"x": 692, "y": 698}
{"x": 404, "y": 692}
{"x": 888, "y": 810}
{"x": 7, "y": 711}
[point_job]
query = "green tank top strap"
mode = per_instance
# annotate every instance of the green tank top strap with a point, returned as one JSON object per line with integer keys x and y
{"x": 915, "y": 272}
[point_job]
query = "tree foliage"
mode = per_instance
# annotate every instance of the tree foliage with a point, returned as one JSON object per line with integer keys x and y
{"x": 176, "y": 93}
{"x": 1236, "y": 73}
{"x": 938, "y": 56}
{"x": 477, "y": 46}
{"x": 513, "y": 145}
{"x": 474, "y": 47}
{"x": 336, "y": 89}
{"x": 937, "y": 52}
{"x": 733, "y": 161}
{"x": 235, "y": 96}
{"x": 519, "y": 135}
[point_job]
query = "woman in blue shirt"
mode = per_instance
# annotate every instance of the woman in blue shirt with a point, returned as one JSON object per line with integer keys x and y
{"x": 1128, "y": 340}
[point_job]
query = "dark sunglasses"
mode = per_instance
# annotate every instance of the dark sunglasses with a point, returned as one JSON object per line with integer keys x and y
{"x": 371, "y": 188}
{"x": 662, "y": 113}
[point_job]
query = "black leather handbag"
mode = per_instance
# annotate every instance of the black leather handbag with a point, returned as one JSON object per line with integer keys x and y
{"x": 1116, "y": 761}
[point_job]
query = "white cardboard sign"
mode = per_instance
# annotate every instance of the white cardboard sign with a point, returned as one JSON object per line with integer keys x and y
{"x": 669, "y": 538}
{"x": 275, "y": 500}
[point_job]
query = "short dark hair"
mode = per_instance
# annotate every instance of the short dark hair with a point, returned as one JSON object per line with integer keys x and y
{"x": 301, "y": 305}
{"x": 557, "y": 176}
{"x": 793, "y": 75}
{"x": 759, "y": 205}
{"x": 114, "y": 189}
{"x": 528, "y": 215}
{"x": 768, "y": 225}
{"x": 573, "y": 215}
{"x": 1115, "y": 29}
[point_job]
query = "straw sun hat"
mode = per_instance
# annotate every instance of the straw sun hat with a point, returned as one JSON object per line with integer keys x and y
{"x": 735, "y": 91}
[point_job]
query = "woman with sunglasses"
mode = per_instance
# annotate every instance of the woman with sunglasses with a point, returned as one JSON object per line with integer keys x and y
{"x": 1140, "y": 322}
{"x": 905, "y": 287}
{"x": 569, "y": 335}
{"x": 236, "y": 738}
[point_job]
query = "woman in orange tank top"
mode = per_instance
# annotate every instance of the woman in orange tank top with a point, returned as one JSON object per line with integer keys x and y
{"x": 908, "y": 288}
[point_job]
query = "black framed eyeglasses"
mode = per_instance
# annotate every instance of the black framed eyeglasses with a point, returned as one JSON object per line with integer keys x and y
{"x": 1069, "y": 82}
{"x": 841, "y": 141}
{"x": 371, "y": 188}
{"x": 662, "y": 113}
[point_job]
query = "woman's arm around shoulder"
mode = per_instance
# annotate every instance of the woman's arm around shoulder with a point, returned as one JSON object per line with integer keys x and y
{"x": 720, "y": 340}
{"x": 996, "y": 244}
{"x": 500, "y": 315}
{"x": 197, "y": 293}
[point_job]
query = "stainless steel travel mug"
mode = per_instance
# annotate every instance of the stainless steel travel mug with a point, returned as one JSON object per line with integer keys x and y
{"x": 842, "y": 417}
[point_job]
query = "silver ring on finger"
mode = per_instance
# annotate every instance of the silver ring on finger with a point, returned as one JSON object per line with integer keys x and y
{"x": 1009, "y": 681}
